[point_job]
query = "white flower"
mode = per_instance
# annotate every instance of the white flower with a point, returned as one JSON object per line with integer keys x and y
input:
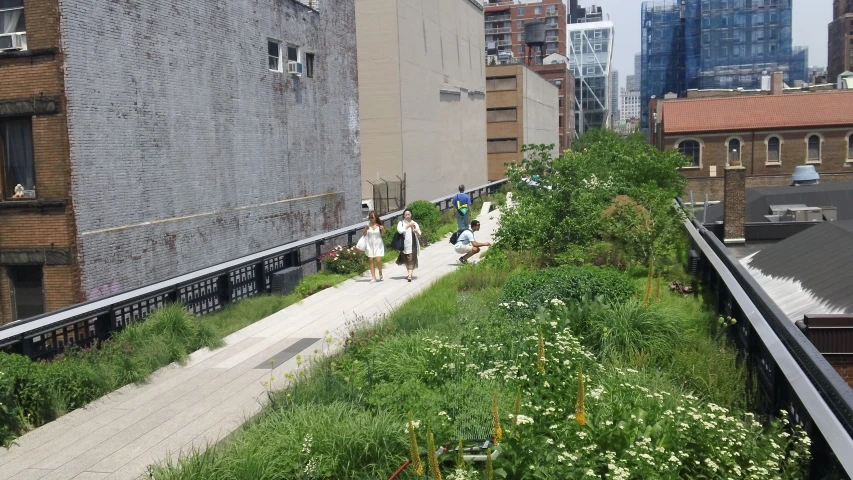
{"x": 523, "y": 419}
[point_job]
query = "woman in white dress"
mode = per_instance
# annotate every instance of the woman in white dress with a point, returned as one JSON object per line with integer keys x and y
{"x": 410, "y": 231}
{"x": 375, "y": 247}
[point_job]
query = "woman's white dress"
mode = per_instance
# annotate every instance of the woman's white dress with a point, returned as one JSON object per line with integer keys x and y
{"x": 375, "y": 246}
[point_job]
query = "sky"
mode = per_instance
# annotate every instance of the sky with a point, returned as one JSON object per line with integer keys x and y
{"x": 811, "y": 18}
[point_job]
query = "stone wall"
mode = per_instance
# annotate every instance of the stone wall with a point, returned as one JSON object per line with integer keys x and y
{"x": 187, "y": 150}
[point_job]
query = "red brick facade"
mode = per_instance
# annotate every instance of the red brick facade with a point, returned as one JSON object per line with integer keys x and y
{"x": 34, "y": 228}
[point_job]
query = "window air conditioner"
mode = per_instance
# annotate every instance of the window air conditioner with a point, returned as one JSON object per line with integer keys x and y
{"x": 294, "y": 68}
{"x": 19, "y": 42}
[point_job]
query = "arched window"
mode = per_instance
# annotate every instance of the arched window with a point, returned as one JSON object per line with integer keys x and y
{"x": 814, "y": 148}
{"x": 692, "y": 150}
{"x": 850, "y": 147}
{"x": 734, "y": 152}
{"x": 774, "y": 150}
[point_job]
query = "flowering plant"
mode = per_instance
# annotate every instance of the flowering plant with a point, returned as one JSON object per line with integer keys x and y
{"x": 344, "y": 260}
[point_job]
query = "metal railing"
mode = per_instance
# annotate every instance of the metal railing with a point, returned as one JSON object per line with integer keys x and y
{"x": 495, "y": 31}
{"x": 498, "y": 18}
{"x": 202, "y": 291}
{"x": 792, "y": 374}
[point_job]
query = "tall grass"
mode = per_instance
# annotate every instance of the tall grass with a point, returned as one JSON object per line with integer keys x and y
{"x": 629, "y": 329}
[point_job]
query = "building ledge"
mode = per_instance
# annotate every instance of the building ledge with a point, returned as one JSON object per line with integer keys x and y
{"x": 27, "y": 204}
{"x": 36, "y": 52}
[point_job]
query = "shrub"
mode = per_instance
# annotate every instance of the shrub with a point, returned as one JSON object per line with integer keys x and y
{"x": 344, "y": 260}
{"x": 426, "y": 214}
{"x": 567, "y": 283}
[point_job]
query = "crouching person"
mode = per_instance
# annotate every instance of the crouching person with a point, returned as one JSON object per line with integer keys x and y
{"x": 466, "y": 245}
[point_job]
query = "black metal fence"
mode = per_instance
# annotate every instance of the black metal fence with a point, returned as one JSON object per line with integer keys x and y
{"x": 202, "y": 291}
{"x": 790, "y": 372}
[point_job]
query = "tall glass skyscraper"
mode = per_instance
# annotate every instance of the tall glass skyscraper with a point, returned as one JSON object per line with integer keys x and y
{"x": 590, "y": 57}
{"x": 705, "y": 44}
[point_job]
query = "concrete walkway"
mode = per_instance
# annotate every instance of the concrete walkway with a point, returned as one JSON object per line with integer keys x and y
{"x": 192, "y": 406}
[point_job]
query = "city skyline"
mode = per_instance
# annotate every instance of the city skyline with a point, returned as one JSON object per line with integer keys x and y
{"x": 810, "y": 29}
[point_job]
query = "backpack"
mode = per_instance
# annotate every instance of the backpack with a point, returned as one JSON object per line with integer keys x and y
{"x": 455, "y": 237}
{"x": 460, "y": 207}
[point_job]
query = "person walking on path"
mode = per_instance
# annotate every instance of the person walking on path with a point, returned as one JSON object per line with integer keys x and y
{"x": 462, "y": 204}
{"x": 466, "y": 245}
{"x": 410, "y": 231}
{"x": 375, "y": 247}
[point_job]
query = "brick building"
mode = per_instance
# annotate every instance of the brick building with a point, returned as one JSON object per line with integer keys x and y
{"x": 767, "y": 136}
{"x": 521, "y": 108}
{"x": 138, "y": 143}
{"x": 840, "y": 39}
{"x": 505, "y": 19}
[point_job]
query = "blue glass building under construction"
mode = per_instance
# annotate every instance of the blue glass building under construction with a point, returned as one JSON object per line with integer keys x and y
{"x": 705, "y": 44}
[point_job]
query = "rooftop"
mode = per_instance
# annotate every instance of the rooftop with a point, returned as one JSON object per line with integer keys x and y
{"x": 808, "y": 273}
{"x": 721, "y": 114}
{"x": 759, "y": 200}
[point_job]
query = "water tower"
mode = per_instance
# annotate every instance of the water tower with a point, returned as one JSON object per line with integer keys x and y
{"x": 534, "y": 38}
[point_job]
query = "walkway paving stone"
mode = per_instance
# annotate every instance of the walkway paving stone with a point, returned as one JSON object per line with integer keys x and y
{"x": 201, "y": 402}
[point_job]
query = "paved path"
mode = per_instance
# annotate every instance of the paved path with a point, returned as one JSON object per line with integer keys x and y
{"x": 191, "y": 406}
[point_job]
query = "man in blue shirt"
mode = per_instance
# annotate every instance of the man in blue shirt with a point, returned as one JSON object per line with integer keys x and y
{"x": 465, "y": 244}
{"x": 462, "y": 204}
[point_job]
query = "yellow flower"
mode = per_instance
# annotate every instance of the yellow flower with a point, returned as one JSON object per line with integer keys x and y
{"x": 496, "y": 420}
{"x": 434, "y": 471}
{"x": 414, "y": 451}
{"x": 580, "y": 413}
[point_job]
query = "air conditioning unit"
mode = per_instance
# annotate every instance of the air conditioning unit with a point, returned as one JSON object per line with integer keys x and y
{"x": 294, "y": 68}
{"x": 284, "y": 281}
{"x": 18, "y": 42}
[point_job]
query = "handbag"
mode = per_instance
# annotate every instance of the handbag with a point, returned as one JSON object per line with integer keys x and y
{"x": 397, "y": 243}
{"x": 362, "y": 244}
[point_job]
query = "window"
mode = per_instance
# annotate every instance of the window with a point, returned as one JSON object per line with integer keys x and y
{"x": 597, "y": 47}
{"x": 16, "y": 153}
{"x": 274, "y": 52}
{"x": 850, "y": 148}
{"x": 734, "y": 152}
{"x": 814, "y": 148}
{"x": 774, "y": 150}
{"x": 560, "y": 122}
{"x": 292, "y": 53}
{"x": 520, "y": 12}
{"x": 309, "y": 65}
{"x": 521, "y": 49}
{"x": 501, "y": 115}
{"x": 537, "y": 10}
{"x": 503, "y": 145}
{"x": 520, "y": 37}
{"x": 596, "y": 34}
{"x": 693, "y": 151}
{"x": 11, "y": 22}
{"x": 520, "y": 24}
{"x": 500, "y": 83}
{"x": 27, "y": 291}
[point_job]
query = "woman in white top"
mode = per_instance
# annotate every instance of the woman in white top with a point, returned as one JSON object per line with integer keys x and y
{"x": 410, "y": 231}
{"x": 375, "y": 247}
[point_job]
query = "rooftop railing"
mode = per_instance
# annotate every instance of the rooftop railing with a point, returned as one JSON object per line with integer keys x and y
{"x": 791, "y": 373}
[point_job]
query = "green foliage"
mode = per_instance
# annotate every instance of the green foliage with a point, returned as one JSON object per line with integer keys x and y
{"x": 333, "y": 441}
{"x": 566, "y": 283}
{"x": 562, "y": 215}
{"x": 34, "y": 393}
{"x": 628, "y": 330}
{"x": 426, "y": 214}
{"x": 344, "y": 261}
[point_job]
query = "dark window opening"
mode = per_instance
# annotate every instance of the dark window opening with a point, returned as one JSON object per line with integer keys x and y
{"x": 814, "y": 149}
{"x": 691, "y": 149}
{"x": 16, "y": 153}
{"x": 734, "y": 152}
{"x": 292, "y": 53}
{"x": 274, "y": 53}
{"x": 27, "y": 291}
{"x": 309, "y": 65}
{"x": 773, "y": 150}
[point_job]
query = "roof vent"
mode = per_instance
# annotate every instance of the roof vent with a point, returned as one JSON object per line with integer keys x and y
{"x": 805, "y": 175}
